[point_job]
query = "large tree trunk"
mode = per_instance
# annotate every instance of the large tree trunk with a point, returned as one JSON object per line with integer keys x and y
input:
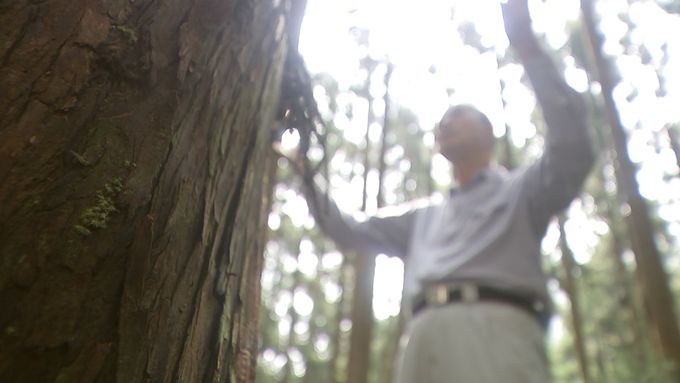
{"x": 658, "y": 299}
{"x": 135, "y": 175}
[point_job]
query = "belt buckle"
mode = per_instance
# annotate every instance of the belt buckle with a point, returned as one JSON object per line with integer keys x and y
{"x": 437, "y": 295}
{"x": 469, "y": 293}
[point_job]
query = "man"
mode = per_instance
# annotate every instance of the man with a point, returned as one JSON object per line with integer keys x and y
{"x": 473, "y": 276}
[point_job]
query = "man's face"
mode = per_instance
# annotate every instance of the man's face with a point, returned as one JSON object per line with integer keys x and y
{"x": 461, "y": 135}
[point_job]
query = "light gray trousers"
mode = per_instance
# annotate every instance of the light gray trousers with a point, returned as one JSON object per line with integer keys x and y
{"x": 473, "y": 343}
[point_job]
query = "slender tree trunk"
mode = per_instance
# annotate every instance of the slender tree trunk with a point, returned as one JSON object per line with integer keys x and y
{"x": 364, "y": 271}
{"x": 391, "y": 347}
{"x": 336, "y": 339}
{"x": 602, "y": 376}
{"x": 630, "y": 299}
{"x": 362, "y": 295}
{"x": 362, "y": 320}
{"x": 135, "y": 177}
{"x": 366, "y": 92}
{"x": 316, "y": 370}
{"x": 382, "y": 166}
{"x": 297, "y": 281}
{"x": 508, "y": 158}
{"x": 392, "y": 350}
{"x": 569, "y": 266}
{"x": 658, "y": 299}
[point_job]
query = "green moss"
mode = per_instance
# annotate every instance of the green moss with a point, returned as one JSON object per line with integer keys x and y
{"x": 97, "y": 216}
{"x": 80, "y": 158}
{"x": 127, "y": 31}
{"x": 82, "y": 230}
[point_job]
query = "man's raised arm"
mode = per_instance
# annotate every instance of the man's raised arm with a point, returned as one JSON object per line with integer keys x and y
{"x": 557, "y": 177}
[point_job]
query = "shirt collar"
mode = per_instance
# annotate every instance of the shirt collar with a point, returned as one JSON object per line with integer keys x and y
{"x": 478, "y": 179}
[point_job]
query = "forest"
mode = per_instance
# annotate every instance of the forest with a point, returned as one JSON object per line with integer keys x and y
{"x": 381, "y": 82}
{"x": 154, "y": 227}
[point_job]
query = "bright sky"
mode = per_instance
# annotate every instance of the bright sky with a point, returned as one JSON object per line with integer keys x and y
{"x": 417, "y": 35}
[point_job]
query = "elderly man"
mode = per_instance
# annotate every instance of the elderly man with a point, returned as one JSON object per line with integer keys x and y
{"x": 473, "y": 278}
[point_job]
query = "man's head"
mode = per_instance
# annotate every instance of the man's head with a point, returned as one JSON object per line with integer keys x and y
{"x": 465, "y": 134}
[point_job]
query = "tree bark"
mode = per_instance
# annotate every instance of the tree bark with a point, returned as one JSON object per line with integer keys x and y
{"x": 627, "y": 294}
{"x": 135, "y": 169}
{"x": 658, "y": 299}
{"x": 364, "y": 271}
{"x": 391, "y": 347}
{"x": 382, "y": 166}
{"x": 294, "y": 317}
{"x": 362, "y": 319}
{"x": 508, "y": 159}
{"x": 569, "y": 266}
{"x": 336, "y": 339}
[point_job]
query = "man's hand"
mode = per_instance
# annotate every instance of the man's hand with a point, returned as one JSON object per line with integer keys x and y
{"x": 518, "y": 27}
{"x": 298, "y": 165}
{"x": 294, "y": 159}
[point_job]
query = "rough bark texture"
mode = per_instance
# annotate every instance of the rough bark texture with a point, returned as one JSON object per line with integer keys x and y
{"x": 135, "y": 174}
{"x": 658, "y": 298}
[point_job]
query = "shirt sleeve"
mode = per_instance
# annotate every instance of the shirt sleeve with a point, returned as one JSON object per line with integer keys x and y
{"x": 556, "y": 179}
{"x": 390, "y": 235}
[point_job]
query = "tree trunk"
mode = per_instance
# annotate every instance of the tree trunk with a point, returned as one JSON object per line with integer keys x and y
{"x": 658, "y": 298}
{"x": 508, "y": 158}
{"x": 626, "y": 293}
{"x": 391, "y": 351}
{"x": 336, "y": 339}
{"x": 382, "y": 166}
{"x": 362, "y": 319}
{"x": 362, "y": 306}
{"x": 294, "y": 317}
{"x": 569, "y": 266}
{"x": 135, "y": 177}
{"x": 364, "y": 271}
{"x": 391, "y": 347}
{"x": 629, "y": 300}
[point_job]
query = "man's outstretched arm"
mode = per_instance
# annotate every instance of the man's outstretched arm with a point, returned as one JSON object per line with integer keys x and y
{"x": 389, "y": 235}
{"x": 557, "y": 177}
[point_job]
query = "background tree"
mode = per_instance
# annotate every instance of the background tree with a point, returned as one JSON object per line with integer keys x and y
{"x": 658, "y": 298}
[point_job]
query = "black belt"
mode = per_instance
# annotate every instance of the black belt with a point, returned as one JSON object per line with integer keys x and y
{"x": 469, "y": 293}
